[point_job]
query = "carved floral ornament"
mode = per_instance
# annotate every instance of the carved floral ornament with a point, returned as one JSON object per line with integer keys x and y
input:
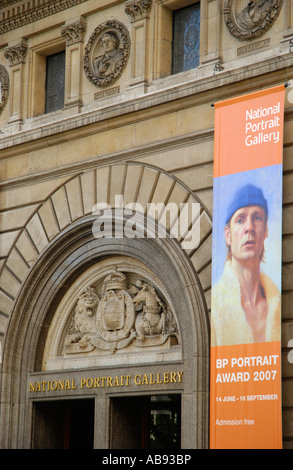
{"x": 4, "y": 87}
{"x": 74, "y": 32}
{"x": 16, "y": 54}
{"x": 248, "y": 19}
{"x": 137, "y": 9}
{"x": 118, "y": 314}
{"x": 106, "y": 53}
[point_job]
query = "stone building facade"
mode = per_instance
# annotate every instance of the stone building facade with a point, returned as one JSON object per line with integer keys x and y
{"x": 99, "y": 329}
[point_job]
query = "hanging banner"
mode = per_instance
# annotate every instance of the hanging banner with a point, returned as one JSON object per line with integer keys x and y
{"x": 245, "y": 380}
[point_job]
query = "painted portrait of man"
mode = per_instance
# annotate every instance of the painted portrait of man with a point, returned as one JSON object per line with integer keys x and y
{"x": 246, "y": 303}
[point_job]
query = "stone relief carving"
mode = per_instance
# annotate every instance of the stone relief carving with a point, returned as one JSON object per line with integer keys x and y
{"x": 74, "y": 32}
{"x": 137, "y": 9}
{"x": 123, "y": 314}
{"x": 16, "y": 54}
{"x": 250, "y": 19}
{"x": 4, "y": 87}
{"x": 107, "y": 53}
{"x": 83, "y": 326}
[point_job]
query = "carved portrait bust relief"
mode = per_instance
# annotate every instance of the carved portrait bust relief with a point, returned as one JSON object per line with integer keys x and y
{"x": 4, "y": 87}
{"x": 107, "y": 53}
{"x": 250, "y": 19}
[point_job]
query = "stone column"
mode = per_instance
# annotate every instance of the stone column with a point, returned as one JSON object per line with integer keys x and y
{"x": 138, "y": 12}
{"x": 74, "y": 35}
{"x": 15, "y": 54}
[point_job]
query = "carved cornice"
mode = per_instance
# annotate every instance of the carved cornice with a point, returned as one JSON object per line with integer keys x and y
{"x": 137, "y": 9}
{"x": 12, "y": 17}
{"x": 74, "y": 32}
{"x": 5, "y": 3}
{"x": 16, "y": 54}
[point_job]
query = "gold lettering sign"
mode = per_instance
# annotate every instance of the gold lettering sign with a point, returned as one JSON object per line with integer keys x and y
{"x": 84, "y": 383}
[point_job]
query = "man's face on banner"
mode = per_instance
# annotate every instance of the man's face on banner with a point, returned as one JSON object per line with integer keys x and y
{"x": 246, "y": 233}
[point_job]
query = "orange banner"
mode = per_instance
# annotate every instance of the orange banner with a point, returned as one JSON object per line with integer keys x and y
{"x": 248, "y": 132}
{"x": 245, "y": 380}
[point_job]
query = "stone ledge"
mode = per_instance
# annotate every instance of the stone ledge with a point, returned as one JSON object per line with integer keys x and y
{"x": 177, "y": 92}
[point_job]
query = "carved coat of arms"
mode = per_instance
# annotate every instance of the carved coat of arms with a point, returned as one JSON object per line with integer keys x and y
{"x": 248, "y": 19}
{"x": 122, "y": 315}
{"x": 115, "y": 313}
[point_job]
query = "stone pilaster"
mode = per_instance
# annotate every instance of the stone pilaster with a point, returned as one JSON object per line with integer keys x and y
{"x": 16, "y": 54}
{"x": 138, "y": 12}
{"x": 74, "y": 35}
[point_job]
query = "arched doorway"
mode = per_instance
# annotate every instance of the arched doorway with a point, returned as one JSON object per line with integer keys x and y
{"x": 63, "y": 264}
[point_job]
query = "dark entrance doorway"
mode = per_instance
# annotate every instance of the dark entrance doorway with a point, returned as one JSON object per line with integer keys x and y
{"x": 146, "y": 422}
{"x": 64, "y": 424}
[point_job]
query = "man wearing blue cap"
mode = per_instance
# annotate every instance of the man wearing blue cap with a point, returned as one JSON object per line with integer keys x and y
{"x": 245, "y": 302}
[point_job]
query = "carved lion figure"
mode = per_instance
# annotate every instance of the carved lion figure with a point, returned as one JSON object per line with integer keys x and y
{"x": 84, "y": 322}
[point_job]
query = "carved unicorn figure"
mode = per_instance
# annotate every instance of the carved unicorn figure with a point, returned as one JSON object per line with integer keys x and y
{"x": 152, "y": 319}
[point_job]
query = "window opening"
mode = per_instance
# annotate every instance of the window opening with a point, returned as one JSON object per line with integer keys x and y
{"x": 55, "y": 82}
{"x": 186, "y": 38}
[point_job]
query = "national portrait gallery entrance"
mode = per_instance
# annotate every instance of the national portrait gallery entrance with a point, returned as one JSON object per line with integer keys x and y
{"x": 108, "y": 346}
{"x": 113, "y": 373}
{"x": 136, "y": 422}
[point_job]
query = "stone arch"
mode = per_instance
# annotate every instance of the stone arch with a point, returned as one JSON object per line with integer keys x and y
{"x": 57, "y": 239}
{"x": 76, "y": 199}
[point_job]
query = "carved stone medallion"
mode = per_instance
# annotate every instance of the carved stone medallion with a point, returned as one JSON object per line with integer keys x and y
{"x": 4, "y": 87}
{"x": 124, "y": 314}
{"x": 107, "y": 53}
{"x": 247, "y": 19}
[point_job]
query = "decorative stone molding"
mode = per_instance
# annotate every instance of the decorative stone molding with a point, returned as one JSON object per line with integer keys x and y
{"x": 137, "y": 9}
{"x": 106, "y": 53}
{"x": 16, "y": 54}
{"x": 28, "y": 14}
{"x": 248, "y": 20}
{"x": 218, "y": 67}
{"x": 74, "y": 32}
{"x": 121, "y": 315}
{"x": 4, "y": 87}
